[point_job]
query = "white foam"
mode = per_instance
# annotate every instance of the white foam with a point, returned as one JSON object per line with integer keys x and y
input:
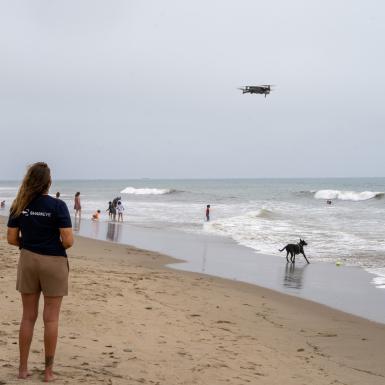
{"x": 146, "y": 191}
{"x": 347, "y": 195}
{"x": 379, "y": 280}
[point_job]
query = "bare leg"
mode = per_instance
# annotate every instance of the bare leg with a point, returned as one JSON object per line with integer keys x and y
{"x": 30, "y": 311}
{"x": 51, "y": 326}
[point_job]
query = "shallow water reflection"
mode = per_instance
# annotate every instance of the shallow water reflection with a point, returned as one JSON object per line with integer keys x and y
{"x": 113, "y": 232}
{"x": 293, "y": 277}
{"x": 76, "y": 226}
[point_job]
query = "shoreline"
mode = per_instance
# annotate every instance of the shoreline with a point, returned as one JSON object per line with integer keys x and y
{"x": 129, "y": 319}
{"x": 349, "y": 289}
{"x": 343, "y": 288}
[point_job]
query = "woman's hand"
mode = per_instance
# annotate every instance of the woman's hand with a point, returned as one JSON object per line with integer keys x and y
{"x": 13, "y": 236}
{"x": 67, "y": 237}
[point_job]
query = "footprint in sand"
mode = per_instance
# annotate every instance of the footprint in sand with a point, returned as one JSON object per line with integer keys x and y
{"x": 326, "y": 334}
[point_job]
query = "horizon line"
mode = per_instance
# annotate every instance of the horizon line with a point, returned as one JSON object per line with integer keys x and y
{"x": 204, "y": 178}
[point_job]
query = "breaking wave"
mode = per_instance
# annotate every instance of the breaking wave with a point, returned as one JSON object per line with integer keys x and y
{"x": 261, "y": 213}
{"x": 348, "y": 195}
{"x": 147, "y": 191}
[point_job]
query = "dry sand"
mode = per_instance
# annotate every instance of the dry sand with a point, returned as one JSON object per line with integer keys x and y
{"x": 129, "y": 320}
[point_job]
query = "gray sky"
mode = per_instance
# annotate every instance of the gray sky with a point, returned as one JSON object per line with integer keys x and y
{"x": 126, "y": 89}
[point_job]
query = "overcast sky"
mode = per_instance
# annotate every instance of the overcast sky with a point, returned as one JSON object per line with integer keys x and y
{"x": 130, "y": 89}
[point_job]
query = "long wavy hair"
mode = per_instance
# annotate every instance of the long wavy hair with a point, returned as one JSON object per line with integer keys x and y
{"x": 37, "y": 181}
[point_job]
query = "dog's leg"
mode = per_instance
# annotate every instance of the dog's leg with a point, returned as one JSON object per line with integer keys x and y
{"x": 305, "y": 257}
{"x": 292, "y": 257}
{"x": 287, "y": 254}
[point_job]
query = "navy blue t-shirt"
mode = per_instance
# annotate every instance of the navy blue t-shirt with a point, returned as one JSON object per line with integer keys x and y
{"x": 39, "y": 225}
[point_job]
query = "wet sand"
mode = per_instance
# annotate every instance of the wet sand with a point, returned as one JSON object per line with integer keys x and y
{"x": 346, "y": 288}
{"x": 130, "y": 320}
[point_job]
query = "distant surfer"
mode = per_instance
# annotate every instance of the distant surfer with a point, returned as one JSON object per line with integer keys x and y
{"x": 208, "y": 213}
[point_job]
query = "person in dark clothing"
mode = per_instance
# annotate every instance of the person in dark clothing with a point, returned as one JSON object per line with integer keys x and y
{"x": 208, "y": 213}
{"x": 110, "y": 209}
{"x": 40, "y": 226}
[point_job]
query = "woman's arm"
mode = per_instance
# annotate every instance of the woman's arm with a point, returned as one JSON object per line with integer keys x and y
{"x": 67, "y": 237}
{"x": 13, "y": 236}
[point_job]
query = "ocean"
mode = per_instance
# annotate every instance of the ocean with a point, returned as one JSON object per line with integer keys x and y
{"x": 262, "y": 214}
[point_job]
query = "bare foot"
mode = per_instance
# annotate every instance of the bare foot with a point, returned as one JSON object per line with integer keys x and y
{"x": 48, "y": 375}
{"x": 23, "y": 374}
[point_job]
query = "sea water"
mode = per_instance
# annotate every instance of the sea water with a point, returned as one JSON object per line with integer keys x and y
{"x": 262, "y": 214}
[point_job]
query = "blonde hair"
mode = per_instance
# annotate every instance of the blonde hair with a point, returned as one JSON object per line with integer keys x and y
{"x": 36, "y": 181}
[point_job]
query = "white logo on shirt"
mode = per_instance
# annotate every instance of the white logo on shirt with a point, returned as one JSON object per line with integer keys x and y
{"x": 28, "y": 212}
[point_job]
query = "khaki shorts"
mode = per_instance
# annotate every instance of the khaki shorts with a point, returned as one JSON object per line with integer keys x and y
{"x": 46, "y": 273}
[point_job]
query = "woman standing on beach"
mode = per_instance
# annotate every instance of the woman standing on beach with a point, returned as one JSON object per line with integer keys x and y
{"x": 41, "y": 227}
{"x": 77, "y": 205}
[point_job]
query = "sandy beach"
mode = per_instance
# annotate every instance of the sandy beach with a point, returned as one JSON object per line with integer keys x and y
{"x": 130, "y": 320}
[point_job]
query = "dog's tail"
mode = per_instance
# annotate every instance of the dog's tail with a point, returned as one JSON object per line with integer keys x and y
{"x": 282, "y": 249}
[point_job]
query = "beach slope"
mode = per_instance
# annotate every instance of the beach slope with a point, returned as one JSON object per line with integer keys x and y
{"x": 129, "y": 320}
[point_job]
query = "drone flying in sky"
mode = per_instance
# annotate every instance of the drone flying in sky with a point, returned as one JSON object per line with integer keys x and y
{"x": 263, "y": 89}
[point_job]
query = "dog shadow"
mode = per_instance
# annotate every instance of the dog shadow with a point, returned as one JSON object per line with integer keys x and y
{"x": 294, "y": 276}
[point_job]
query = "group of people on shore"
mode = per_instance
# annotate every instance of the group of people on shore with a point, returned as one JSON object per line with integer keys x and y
{"x": 114, "y": 207}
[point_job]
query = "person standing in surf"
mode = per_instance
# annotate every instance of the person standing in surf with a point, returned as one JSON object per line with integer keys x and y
{"x": 110, "y": 209}
{"x": 208, "y": 213}
{"x": 77, "y": 205}
{"x": 120, "y": 209}
{"x": 40, "y": 226}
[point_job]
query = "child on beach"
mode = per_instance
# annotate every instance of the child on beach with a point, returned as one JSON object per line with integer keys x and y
{"x": 110, "y": 209}
{"x": 95, "y": 216}
{"x": 120, "y": 209}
